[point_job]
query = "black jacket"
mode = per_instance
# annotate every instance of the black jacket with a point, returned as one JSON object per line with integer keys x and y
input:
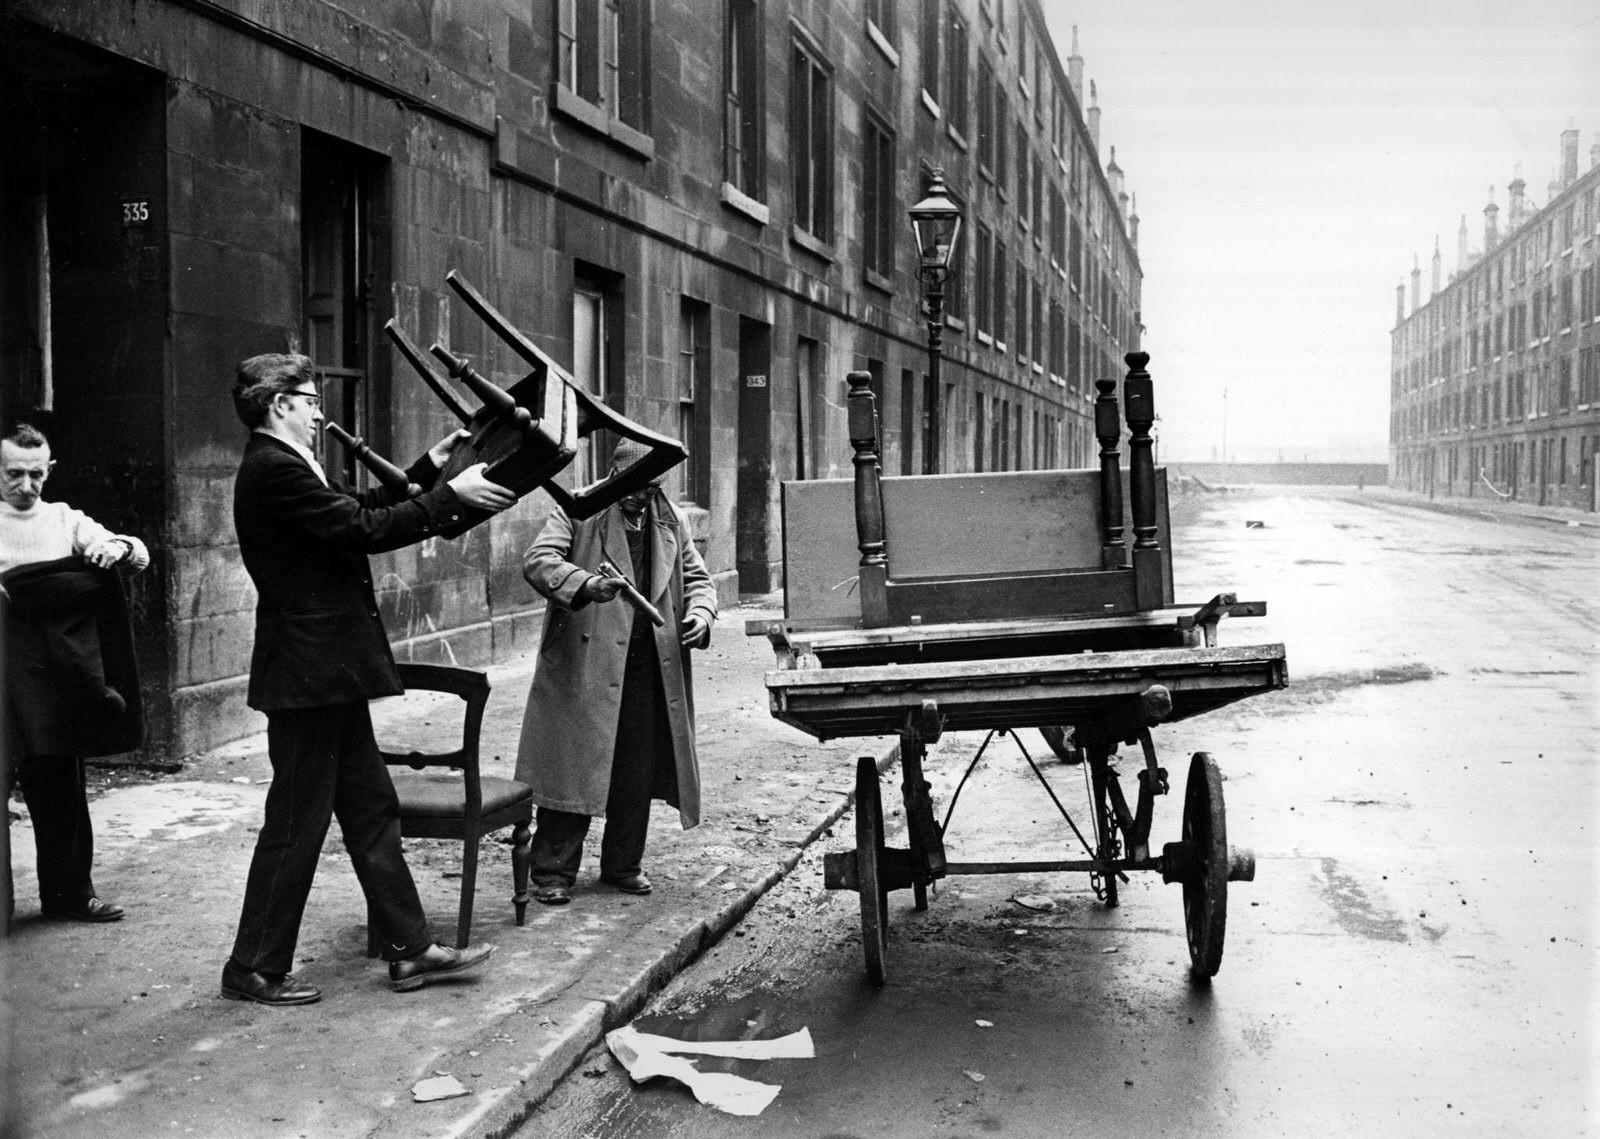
{"x": 319, "y": 639}
{"x": 69, "y": 643}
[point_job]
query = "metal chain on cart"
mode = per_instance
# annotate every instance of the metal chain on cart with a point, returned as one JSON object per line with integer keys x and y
{"x": 1105, "y": 823}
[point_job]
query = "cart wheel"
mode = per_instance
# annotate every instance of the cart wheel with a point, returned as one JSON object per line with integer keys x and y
{"x": 1059, "y": 737}
{"x": 869, "y": 859}
{"x": 1205, "y": 891}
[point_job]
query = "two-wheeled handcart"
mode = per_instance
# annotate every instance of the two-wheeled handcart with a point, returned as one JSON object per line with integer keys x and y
{"x": 911, "y": 630}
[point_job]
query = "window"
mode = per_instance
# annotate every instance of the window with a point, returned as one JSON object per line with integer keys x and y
{"x": 1000, "y": 306}
{"x": 341, "y": 255}
{"x": 1000, "y": 450}
{"x": 1022, "y": 312}
{"x": 881, "y": 15}
{"x": 1022, "y": 172}
{"x": 742, "y": 136}
{"x": 909, "y": 411}
{"x": 983, "y": 308}
{"x": 1002, "y": 135}
{"x": 1036, "y": 312}
{"x": 955, "y": 69}
{"x": 1036, "y": 169}
{"x": 810, "y": 428}
{"x": 1058, "y": 343}
{"x": 986, "y": 123}
{"x": 693, "y": 478}
{"x": 603, "y": 66}
{"x": 811, "y": 136}
{"x": 596, "y": 353}
{"x": 979, "y": 427}
{"x": 932, "y": 16}
{"x": 882, "y": 214}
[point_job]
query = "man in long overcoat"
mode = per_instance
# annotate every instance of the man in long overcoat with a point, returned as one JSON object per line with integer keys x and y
{"x": 610, "y": 719}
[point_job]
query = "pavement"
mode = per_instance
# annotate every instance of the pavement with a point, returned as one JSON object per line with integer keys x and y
{"x": 1501, "y": 510}
{"x": 118, "y": 1029}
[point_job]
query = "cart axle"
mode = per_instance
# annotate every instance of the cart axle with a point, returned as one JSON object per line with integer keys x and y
{"x": 1184, "y": 862}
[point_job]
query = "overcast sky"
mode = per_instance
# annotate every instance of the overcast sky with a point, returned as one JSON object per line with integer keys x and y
{"x": 1290, "y": 158}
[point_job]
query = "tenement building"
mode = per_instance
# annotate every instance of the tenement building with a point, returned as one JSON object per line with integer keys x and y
{"x": 1495, "y": 382}
{"x": 698, "y": 207}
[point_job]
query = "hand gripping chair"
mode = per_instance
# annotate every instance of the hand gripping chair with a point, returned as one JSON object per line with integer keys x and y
{"x": 458, "y": 802}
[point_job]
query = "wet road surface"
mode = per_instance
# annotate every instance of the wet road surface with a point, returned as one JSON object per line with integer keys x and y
{"x": 1417, "y": 954}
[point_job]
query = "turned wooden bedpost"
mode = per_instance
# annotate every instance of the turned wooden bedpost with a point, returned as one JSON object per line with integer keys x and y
{"x": 1139, "y": 402}
{"x": 1108, "y": 429}
{"x": 870, "y": 538}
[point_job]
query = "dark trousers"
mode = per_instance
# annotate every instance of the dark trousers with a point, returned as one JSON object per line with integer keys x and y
{"x": 325, "y": 763}
{"x": 558, "y": 835}
{"x": 58, "y": 802}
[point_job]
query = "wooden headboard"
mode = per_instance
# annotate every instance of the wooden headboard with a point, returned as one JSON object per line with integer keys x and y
{"x": 1011, "y": 523}
{"x": 978, "y": 547}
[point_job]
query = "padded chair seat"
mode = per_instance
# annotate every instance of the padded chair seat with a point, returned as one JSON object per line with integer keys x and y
{"x": 432, "y": 789}
{"x": 442, "y": 795}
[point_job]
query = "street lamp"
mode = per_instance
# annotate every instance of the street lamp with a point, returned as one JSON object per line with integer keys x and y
{"x": 936, "y": 223}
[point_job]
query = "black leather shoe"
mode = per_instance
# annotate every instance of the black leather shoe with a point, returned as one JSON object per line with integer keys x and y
{"x": 92, "y": 910}
{"x": 630, "y": 883}
{"x": 435, "y": 963}
{"x": 242, "y": 985}
{"x": 551, "y": 895}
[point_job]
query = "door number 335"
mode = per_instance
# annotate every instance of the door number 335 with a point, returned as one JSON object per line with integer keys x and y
{"x": 135, "y": 212}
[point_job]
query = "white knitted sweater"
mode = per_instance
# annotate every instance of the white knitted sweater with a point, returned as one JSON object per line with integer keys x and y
{"x": 50, "y": 530}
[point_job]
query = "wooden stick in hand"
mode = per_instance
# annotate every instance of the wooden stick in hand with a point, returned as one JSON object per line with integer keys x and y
{"x": 635, "y": 598}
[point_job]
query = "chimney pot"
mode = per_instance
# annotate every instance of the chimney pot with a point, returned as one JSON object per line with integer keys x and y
{"x": 1569, "y": 157}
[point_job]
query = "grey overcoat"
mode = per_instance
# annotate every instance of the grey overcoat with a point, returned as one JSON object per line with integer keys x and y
{"x": 569, "y": 730}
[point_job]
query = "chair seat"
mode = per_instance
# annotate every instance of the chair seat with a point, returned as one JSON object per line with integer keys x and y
{"x": 443, "y": 795}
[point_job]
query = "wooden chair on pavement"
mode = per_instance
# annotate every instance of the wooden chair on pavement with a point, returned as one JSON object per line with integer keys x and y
{"x": 458, "y": 802}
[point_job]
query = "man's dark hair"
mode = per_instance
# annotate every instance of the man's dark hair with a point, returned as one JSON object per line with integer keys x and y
{"x": 261, "y": 379}
{"x": 26, "y": 435}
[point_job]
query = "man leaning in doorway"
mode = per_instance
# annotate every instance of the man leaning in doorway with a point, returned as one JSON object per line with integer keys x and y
{"x": 320, "y": 654}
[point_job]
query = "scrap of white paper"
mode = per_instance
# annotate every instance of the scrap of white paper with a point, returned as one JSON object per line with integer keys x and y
{"x": 437, "y": 1087}
{"x": 645, "y": 1056}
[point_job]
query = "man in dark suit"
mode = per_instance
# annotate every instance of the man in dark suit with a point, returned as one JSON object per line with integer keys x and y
{"x": 320, "y": 654}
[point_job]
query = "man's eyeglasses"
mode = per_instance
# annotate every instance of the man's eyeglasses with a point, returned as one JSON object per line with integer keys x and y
{"x": 313, "y": 398}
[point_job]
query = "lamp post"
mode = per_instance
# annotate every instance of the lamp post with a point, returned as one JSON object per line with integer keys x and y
{"x": 936, "y": 223}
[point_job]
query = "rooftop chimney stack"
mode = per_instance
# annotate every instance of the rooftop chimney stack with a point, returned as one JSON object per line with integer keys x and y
{"x": 1438, "y": 264}
{"x": 1075, "y": 69}
{"x": 1114, "y": 177}
{"x": 1400, "y": 302}
{"x": 1515, "y": 202}
{"x": 1463, "y": 246}
{"x": 1594, "y": 155}
{"x": 1491, "y": 223}
{"x": 1569, "y": 157}
{"x": 1133, "y": 221}
{"x": 1094, "y": 119}
{"x": 1416, "y": 285}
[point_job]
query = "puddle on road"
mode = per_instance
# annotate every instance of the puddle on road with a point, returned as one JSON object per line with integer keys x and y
{"x": 1355, "y": 912}
{"x": 716, "y": 1012}
{"x": 1321, "y": 687}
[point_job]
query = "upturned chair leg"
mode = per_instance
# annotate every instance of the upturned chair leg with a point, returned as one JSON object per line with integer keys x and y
{"x": 521, "y": 862}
